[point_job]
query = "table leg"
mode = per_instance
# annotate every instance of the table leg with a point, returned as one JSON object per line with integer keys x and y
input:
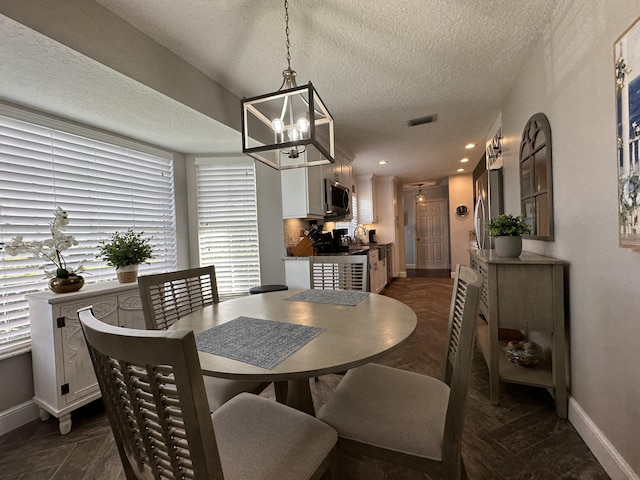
{"x": 281, "y": 388}
{"x": 299, "y": 396}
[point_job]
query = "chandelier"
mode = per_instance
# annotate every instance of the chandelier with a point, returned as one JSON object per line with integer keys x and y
{"x": 421, "y": 197}
{"x": 289, "y": 128}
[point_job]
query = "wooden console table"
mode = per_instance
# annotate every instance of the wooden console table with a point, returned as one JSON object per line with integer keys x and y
{"x": 524, "y": 293}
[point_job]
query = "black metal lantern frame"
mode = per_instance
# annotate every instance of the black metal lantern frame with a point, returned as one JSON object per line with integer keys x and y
{"x": 290, "y": 128}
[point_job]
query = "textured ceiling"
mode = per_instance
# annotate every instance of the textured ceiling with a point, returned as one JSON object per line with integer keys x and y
{"x": 42, "y": 74}
{"x": 375, "y": 63}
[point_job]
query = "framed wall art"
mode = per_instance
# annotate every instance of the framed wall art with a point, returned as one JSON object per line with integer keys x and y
{"x": 627, "y": 81}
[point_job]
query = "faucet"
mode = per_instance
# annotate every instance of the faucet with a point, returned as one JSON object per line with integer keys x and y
{"x": 357, "y": 239}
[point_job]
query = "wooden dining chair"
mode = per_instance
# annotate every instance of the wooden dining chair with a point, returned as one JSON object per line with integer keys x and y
{"x": 167, "y": 297}
{"x": 154, "y": 395}
{"x": 339, "y": 272}
{"x": 407, "y": 418}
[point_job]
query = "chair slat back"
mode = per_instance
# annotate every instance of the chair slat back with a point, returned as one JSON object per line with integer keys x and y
{"x": 167, "y": 297}
{"x": 154, "y": 394}
{"x": 339, "y": 272}
{"x": 458, "y": 358}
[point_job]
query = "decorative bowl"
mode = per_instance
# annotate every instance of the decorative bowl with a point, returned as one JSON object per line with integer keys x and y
{"x": 524, "y": 353}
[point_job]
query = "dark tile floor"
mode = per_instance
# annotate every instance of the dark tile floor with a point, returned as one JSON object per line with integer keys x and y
{"x": 428, "y": 273}
{"x": 521, "y": 438}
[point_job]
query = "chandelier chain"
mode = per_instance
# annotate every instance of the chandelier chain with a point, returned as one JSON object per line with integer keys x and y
{"x": 286, "y": 21}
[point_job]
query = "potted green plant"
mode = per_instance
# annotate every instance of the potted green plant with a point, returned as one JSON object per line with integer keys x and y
{"x": 125, "y": 251}
{"x": 507, "y": 231}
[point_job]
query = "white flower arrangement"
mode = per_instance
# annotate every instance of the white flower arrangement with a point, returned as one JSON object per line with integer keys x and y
{"x": 49, "y": 250}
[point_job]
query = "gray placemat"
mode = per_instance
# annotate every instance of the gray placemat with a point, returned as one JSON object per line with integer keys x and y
{"x": 263, "y": 343}
{"x": 334, "y": 297}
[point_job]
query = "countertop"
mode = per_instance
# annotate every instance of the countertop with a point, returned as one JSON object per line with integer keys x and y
{"x": 354, "y": 250}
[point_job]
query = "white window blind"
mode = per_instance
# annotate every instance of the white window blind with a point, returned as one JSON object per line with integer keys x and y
{"x": 228, "y": 222}
{"x": 103, "y": 187}
{"x": 353, "y": 223}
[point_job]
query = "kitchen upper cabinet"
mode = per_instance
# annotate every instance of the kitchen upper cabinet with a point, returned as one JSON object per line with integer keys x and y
{"x": 340, "y": 172}
{"x": 366, "y": 192}
{"x": 303, "y": 193}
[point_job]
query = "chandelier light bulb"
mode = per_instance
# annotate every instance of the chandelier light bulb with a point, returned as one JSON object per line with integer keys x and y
{"x": 278, "y": 125}
{"x": 303, "y": 126}
{"x": 293, "y": 134}
{"x": 278, "y": 128}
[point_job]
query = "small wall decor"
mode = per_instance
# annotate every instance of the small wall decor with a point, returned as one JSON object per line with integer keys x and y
{"x": 536, "y": 178}
{"x": 462, "y": 210}
{"x": 627, "y": 85}
{"x": 494, "y": 150}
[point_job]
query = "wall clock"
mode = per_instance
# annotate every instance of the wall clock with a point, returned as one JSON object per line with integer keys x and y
{"x": 462, "y": 210}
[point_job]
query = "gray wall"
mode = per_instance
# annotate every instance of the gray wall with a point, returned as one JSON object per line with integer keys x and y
{"x": 91, "y": 29}
{"x": 270, "y": 225}
{"x": 570, "y": 79}
{"x": 409, "y": 197}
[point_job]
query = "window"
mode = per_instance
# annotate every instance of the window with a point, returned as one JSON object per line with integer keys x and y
{"x": 104, "y": 188}
{"x": 536, "y": 178}
{"x": 228, "y": 222}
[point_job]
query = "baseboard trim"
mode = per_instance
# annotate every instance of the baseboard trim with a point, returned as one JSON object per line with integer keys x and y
{"x": 612, "y": 462}
{"x": 402, "y": 275}
{"x": 17, "y": 416}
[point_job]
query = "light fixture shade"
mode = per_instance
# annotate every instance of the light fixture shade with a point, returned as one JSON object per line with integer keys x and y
{"x": 421, "y": 197}
{"x": 289, "y": 128}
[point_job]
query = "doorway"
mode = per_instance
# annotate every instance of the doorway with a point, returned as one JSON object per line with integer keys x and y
{"x": 432, "y": 235}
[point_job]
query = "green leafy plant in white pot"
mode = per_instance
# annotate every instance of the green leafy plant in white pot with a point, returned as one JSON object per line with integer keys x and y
{"x": 507, "y": 231}
{"x": 125, "y": 251}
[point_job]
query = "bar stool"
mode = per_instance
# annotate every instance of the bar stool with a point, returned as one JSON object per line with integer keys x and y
{"x": 267, "y": 288}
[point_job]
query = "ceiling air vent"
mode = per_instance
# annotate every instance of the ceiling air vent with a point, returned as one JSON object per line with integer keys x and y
{"x": 422, "y": 120}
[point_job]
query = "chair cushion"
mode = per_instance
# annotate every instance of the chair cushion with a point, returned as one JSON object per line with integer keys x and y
{"x": 221, "y": 390}
{"x": 261, "y": 439}
{"x": 390, "y": 408}
{"x": 267, "y": 289}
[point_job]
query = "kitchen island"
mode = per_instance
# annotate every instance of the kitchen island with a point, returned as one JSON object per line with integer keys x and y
{"x": 298, "y": 269}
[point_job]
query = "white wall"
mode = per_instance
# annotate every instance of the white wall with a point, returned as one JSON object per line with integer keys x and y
{"x": 570, "y": 79}
{"x": 460, "y": 193}
{"x": 385, "y": 228}
{"x": 409, "y": 227}
{"x": 270, "y": 225}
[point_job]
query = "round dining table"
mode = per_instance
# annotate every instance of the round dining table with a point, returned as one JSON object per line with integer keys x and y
{"x": 351, "y": 335}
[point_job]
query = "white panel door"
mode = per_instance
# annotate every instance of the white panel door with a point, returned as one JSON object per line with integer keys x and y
{"x": 432, "y": 235}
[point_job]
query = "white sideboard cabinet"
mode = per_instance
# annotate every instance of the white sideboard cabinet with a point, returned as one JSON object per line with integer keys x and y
{"x": 524, "y": 293}
{"x": 63, "y": 376}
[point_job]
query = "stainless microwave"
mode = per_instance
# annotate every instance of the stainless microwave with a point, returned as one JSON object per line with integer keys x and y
{"x": 337, "y": 198}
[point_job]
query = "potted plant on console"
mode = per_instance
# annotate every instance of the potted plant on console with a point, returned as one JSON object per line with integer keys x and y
{"x": 125, "y": 251}
{"x": 507, "y": 231}
{"x": 64, "y": 278}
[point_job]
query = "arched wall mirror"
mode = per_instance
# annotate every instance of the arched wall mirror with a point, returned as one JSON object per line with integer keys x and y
{"x": 536, "y": 178}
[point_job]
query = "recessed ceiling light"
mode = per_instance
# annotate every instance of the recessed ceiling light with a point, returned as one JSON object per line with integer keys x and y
{"x": 464, "y": 160}
{"x": 461, "y": 170}
{"x": 469, "y": 146}
{"x": 382, "y": 162}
